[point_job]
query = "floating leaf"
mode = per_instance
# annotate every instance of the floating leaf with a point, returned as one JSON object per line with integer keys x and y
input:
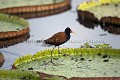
{"x": 18, "y": 74}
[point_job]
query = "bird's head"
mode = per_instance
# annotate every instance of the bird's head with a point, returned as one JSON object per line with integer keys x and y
{"x": 68, "y": 30}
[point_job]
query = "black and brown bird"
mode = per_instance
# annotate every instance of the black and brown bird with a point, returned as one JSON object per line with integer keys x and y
{"x": 58, "y": 39}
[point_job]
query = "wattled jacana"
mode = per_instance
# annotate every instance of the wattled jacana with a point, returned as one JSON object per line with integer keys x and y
{"x": 58, "y": 39}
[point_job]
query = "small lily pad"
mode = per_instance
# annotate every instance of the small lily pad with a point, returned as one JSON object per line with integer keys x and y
{"x": 1, "y": 59}
{"x": 18, "y": 75}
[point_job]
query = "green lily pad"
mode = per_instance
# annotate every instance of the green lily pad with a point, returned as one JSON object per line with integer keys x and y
{"x": 19, "y": 3}
{"x": 102, "y": 8}
{"x": 106, "y": 10}
{"x": 74, "y": 62}
{"x": 12, "y": 23}
{"x": 12, "y": 26}
{"x": 18, "y": 75}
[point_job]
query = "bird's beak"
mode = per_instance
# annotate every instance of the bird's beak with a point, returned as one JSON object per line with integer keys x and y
{"x": 73, "y": 32}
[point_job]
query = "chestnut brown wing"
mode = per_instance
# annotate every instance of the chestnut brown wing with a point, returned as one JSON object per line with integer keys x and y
{"x": 57, "y": 39}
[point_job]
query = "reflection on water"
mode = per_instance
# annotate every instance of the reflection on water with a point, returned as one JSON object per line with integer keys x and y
{"x": 41, "y": 13}
{"x": 112, "y": 29}
{"x": 34, "y": 14}
{"x": 8, "y": 42}
{"x": 87, "y": 24}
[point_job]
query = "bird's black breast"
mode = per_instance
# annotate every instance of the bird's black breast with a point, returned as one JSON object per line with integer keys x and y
{"x": 67, "y": 37}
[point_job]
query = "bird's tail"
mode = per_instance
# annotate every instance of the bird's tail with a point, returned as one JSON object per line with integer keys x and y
{"x": 44, "y": 43}
{"x": 40, "y": 41}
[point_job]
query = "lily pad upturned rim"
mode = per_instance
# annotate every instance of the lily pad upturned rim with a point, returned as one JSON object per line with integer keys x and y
{"x": 1, "y": 54}
{"x": 94, "y": 3}
{"x": 20, "y": 74}
{"x": 46, "y": 53}
{"x": 38, "y": 8}
{"x": 109, "y": 20}
{"x": 16, "y": 20}
{"x": 1, "y": 59}
{"x": 12, "y": 41}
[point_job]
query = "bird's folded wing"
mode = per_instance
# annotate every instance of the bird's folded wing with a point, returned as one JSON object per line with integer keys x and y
{"x": 56, "y": 39}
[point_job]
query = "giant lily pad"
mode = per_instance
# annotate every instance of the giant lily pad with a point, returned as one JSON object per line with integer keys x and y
{"x": 101, "y": 11}
{"x": 74, "y": 62}
{"x": 12, "y": 26}
{"x": 44, "y": 7}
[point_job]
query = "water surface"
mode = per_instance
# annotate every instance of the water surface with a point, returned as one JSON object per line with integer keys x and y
{"x": 42, "y": 28}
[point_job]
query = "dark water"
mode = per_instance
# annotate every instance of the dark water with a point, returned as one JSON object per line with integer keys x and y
{"x": 42, "y": 28}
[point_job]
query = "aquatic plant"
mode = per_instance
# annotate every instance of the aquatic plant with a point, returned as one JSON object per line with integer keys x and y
{"x": 93, "y": 3}
{"x": 18, "y": 75}
{"x": 87, "y": 45}
{"x": 14, "y": 19}
{"x": 102, "y": 46}
{"x": 71, "y": 51}
{"x": 72, "y": 60}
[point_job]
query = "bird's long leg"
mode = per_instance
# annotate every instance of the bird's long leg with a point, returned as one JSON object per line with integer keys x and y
{"x": 59, "y": 52}
{"x": 51, "y": 56}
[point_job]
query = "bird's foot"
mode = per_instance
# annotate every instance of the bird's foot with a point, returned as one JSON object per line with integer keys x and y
{"x": 54, "y": 63}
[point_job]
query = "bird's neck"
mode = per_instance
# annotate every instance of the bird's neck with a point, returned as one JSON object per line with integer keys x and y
{"x": 68, "y": 36}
